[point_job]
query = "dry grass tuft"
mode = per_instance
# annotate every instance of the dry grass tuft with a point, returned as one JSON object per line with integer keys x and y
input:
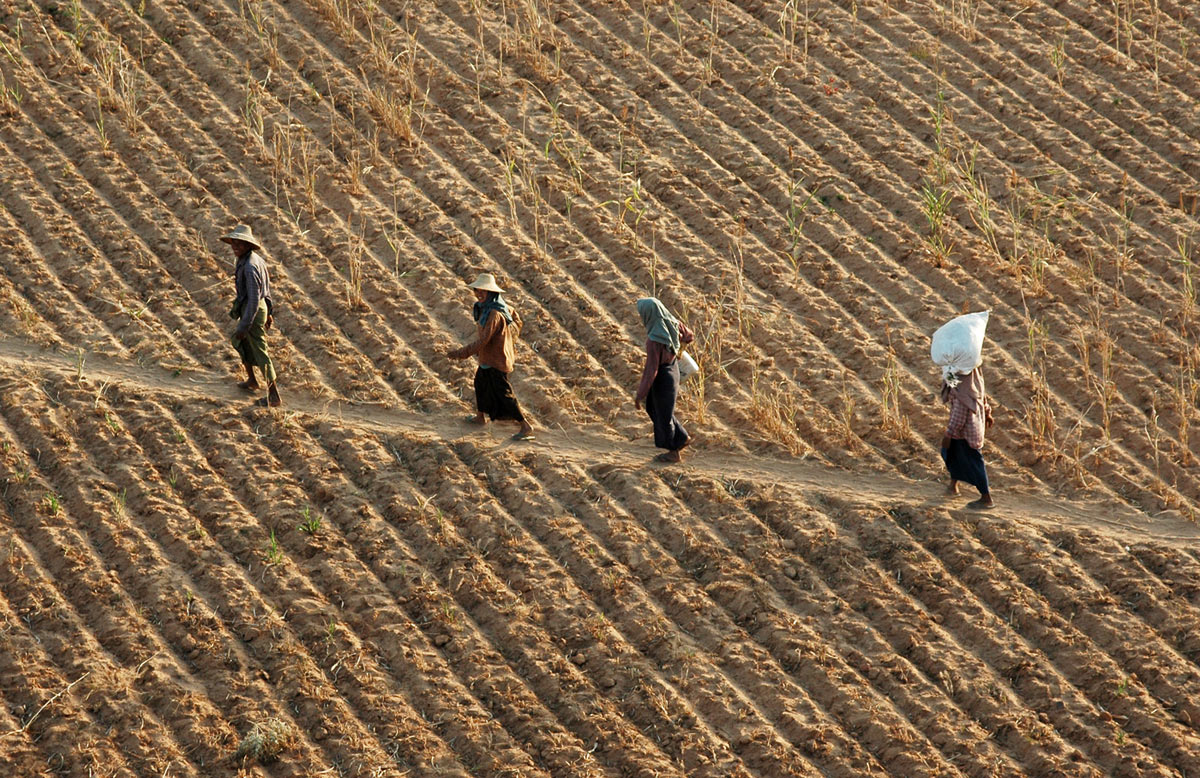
{"x": 266, "y": 741}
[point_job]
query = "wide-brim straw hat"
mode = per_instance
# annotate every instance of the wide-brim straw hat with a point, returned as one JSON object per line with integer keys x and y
{"x": 243, "y": 233}
{"x": 486, "y": 282}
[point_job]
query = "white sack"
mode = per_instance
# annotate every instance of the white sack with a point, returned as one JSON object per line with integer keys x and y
{"x": 958, "y": 345}
{"x": 687, "y": 365}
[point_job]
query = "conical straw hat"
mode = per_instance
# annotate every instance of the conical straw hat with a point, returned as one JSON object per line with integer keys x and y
{"x": 486, "y": 282}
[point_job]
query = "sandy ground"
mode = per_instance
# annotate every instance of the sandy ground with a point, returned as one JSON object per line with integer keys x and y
{"x": 814, "y": 187}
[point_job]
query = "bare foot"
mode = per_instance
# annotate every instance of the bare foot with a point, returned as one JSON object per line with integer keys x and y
{"x": 273, "y": 399}
{"x": 249, "y": 385}
{"x": 479, "y": 419}
{"x": 952, "y": 488}
{"x": 669, "y": 456}
{"x": 982, "y": 504}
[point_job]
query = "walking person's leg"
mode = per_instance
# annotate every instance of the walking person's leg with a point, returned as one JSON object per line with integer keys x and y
{"x": 660, "y": 405}
{"x": 494, "y": 396}
{"x": 482, "y": 401}
{"x": 965, "y": 464}
{"x": 679, "y": 436}
{"x": 980, "y": 482}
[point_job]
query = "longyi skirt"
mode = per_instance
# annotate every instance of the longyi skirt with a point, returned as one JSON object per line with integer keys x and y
{"x": 494, "y": 395}
{"x": 966, "y": 464}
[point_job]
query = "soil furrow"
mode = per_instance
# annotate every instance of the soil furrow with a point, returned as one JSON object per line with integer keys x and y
{"x": 1048, "y": 695}
{"x": 508, "y": 601}
{"x": 64, "y": 730}
{"x": 1054, "y": 635}
{"x": 807, "y": 700}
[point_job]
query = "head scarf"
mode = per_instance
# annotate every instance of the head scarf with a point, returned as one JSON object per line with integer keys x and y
{"x": 969, "y": 390}
{"x": 661, "y": 326}
{"x": 494, "y": 302}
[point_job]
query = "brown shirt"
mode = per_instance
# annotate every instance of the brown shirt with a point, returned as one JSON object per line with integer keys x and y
{"x": 494, "y": 343}
{"x": 658, "y": 354}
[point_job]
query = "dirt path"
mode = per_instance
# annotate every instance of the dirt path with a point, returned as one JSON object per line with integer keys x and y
{"x": 1122, "y": 522}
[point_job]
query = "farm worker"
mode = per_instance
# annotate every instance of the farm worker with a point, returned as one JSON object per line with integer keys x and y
{"x": 253, "y": 309}
{"x": 659, "y": 386}
{"x": 970, "y": 414}
{"x": 496, "y": 329}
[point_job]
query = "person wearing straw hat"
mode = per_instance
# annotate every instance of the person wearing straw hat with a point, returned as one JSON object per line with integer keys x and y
{"x": 659, "y": 387}
{"x": 496, "y": 329}
{"x": 253, "y": 309}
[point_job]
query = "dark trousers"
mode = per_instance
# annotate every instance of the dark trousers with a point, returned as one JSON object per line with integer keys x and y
{"x": 660, "y": 405}
{"x": 966, "y": 464}
{"x": 494, "y": 395}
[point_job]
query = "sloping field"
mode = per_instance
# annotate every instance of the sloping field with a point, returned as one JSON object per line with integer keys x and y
{"x": 814, "y": 186}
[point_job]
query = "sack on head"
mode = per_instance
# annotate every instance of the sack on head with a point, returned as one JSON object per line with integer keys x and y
{"x": 957, "y": 346}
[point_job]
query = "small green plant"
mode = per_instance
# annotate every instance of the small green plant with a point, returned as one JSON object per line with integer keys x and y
{"x": 113, "y": 423}
{"x": 935, "y": 198}
{"x": 52, "y": 503}
{"x": 274, "y": 552}
{"x": 331, "y": 630}
{"x": 1058, "y": 58}
{"x": 118, "y": 502}
{"x": 796, "y": 215}
{"x": 310, "y": 522}
{"x": 1123, "y": 687}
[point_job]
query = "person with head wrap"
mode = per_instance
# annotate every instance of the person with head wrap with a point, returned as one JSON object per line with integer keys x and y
{"x": 659, "y": 387}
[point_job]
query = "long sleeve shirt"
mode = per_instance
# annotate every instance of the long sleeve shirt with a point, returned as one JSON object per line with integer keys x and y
{"x": 966, "y": 423}
{"x": 494, "y": 343}
{"x": 658, "y": 354}
{"x": 253, "y": 285}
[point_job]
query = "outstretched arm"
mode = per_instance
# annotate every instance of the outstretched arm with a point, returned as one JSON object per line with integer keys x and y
{"x": 488, "y": 331}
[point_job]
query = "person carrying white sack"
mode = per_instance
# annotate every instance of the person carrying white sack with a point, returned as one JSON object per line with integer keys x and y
{"x": 957, "y": 350}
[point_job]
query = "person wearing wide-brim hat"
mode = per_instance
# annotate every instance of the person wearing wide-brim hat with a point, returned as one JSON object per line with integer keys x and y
{"x": 497, "y": 327}
{"x": 253, "y": 309}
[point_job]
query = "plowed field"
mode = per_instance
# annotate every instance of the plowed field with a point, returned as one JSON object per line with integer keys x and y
{"x": 813, "y": 185}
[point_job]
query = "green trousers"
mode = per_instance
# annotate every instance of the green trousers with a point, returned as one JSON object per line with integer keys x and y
{"x": 253, "y": 347}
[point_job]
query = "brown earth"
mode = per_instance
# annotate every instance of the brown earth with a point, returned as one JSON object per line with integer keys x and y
{"x": 814, "y": 186}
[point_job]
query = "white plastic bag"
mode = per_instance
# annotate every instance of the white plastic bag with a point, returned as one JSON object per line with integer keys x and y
{"x": 687, "y": 365}
{"x": 957, "y": 345}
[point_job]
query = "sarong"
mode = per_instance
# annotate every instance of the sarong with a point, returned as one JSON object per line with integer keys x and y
{"x": 660, "y": 405}
{"x": 494, "y": 395}
{"x": 966, "y": 464}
